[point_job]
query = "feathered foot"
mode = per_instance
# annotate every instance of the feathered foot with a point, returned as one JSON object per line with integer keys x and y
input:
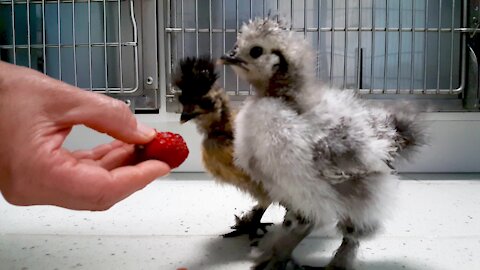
{"x": 346, "y": 254}
{"x": 250, "y": 224}
{"x": 279, "y": 245}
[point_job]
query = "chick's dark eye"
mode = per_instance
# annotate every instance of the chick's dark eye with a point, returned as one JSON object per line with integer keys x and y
{"x": 206, "y": 104}
{"x": 256, "y": 51}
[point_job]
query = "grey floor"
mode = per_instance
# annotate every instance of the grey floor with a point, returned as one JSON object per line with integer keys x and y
{"x": 176, "y": 222}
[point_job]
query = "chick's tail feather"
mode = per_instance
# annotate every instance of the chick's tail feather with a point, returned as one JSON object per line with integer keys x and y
{"x": 411, "y": 130}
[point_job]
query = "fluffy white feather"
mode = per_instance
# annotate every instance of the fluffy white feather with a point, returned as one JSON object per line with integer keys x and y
{"x": 323, "y": 153}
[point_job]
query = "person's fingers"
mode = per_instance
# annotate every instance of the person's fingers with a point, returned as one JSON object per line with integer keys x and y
{"x": 79, "y": 107}
{"x": 106, "y": 115}
{"x": 127, "y": 180}
{"x": 89, "y": 162}
{"x": 97, "y": 152}
{"x": 91, "y": 187}
{"x": 109, "y": 158}
{"x": 120, "y": 156}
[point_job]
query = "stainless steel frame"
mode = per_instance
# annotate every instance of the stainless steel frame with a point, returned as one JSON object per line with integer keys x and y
{"x": 97, "y": 45}
{"x": 382, "y": 48}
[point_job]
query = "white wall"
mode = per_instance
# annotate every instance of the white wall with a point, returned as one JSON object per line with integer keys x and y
{"x": 454, "y": 142}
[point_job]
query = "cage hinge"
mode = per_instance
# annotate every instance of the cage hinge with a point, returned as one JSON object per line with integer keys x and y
{"x": 172, "y": 94}
{"x": 474, "y": 17}
{"x": 475, "y": 27}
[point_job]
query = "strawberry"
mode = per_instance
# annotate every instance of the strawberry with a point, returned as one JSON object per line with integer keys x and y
{"x": 167, "y": 147}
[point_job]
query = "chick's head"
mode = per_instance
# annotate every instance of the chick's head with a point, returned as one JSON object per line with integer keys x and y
{"x": 196, "y": 77}
{"x": 265, "y": 48}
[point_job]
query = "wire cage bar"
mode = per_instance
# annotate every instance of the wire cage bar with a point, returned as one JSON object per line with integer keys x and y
{"x": 92, "y": 44}
{"x": 369, "y": 46}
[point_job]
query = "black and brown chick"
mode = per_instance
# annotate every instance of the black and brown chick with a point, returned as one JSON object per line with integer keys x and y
{"x": 206, "y": 103}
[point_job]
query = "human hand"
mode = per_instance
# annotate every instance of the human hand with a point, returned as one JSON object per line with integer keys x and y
{"x": 36, "y": 115}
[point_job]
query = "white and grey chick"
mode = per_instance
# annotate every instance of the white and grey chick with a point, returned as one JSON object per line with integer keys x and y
{"x": 323, "y": 153}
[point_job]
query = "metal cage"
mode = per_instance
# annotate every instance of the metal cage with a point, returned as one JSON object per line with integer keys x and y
{"x": 383, "y": 48}
{"x": 93, "y": 44}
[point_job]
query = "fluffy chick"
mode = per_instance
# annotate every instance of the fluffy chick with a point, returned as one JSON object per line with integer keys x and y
{"x": 323, "y": 153}
{"x": 207, "y": 104}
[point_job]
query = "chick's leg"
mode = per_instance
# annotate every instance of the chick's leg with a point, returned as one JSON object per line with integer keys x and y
{"x": 280, "y": 244}
{"x": 250, "y": 224}
{"x": 347, "y": 252}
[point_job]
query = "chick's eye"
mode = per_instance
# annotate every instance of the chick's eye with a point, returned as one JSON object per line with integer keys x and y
{"x": 256, "y": 51}
{"x": 206, "y": 104}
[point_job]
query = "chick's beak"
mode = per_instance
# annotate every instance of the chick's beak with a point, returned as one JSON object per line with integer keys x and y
{"x": 231, "y": 58}
{"x": 187, "y": 116}
{"x": 188, "y": 113}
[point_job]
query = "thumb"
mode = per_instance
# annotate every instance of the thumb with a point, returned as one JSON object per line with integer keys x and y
{"x": 106, "y": 115}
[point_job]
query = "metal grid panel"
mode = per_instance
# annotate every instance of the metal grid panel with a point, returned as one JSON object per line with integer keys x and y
{"x": 371, "y": 46}
{"x": 91, "y": 44}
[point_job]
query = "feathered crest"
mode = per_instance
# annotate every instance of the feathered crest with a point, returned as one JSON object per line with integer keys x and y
{"x": 275, "y": 33}
{"x": 266, "y": 26}
{"x": 195, "y": 76}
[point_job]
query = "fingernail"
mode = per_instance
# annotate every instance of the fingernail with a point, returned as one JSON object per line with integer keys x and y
{"x": 147, "y": 131}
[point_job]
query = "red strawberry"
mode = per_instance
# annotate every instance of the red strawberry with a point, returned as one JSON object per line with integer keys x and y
{"x": 167, "y": 147}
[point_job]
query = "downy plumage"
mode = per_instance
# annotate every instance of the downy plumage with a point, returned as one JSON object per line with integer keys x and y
{"x": 207, "y": 104}
{"x": 323, "y": 153}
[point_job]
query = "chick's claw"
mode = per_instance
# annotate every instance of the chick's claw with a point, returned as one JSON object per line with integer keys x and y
{"x": 250, "y": 224}
{"x": 252, "y": 228}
